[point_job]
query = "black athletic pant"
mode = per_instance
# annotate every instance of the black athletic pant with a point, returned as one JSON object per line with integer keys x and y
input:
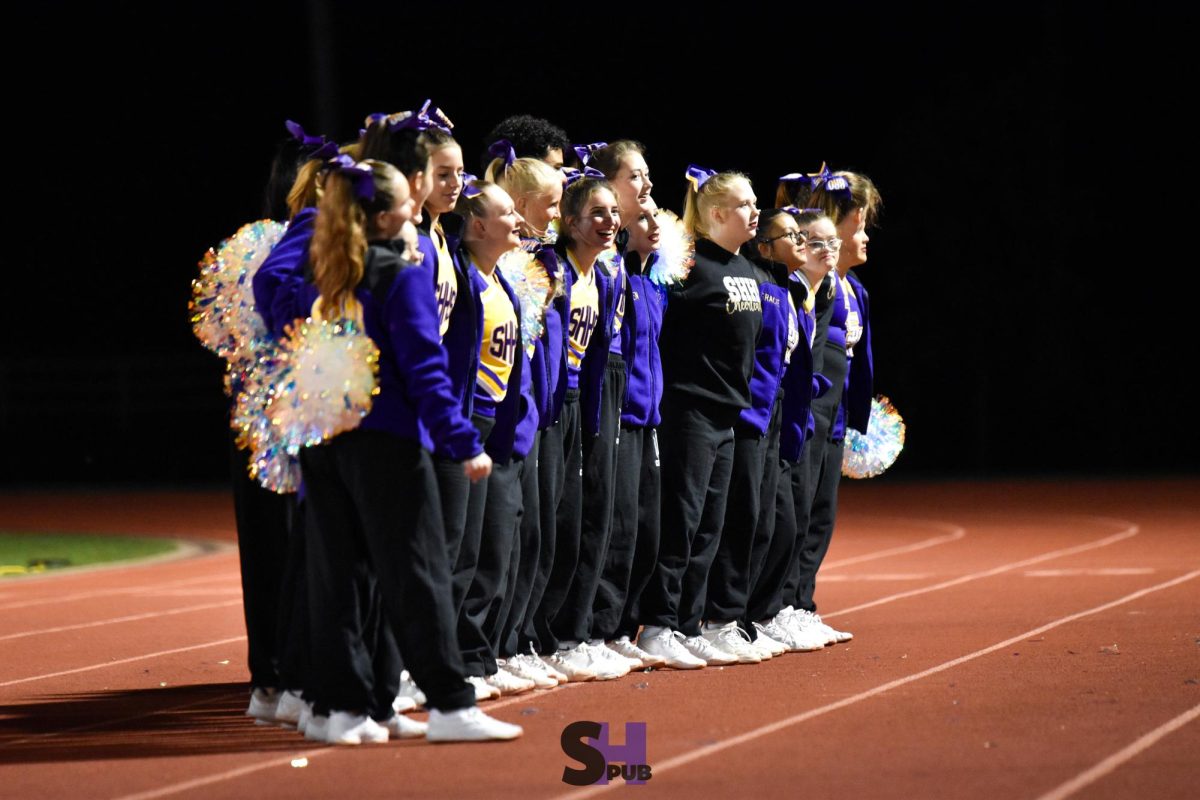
{"x": 728, "y": 582}
{"x": 765, "y": 547}
{"x": 263, "y": 520}
{"x": 480, "y": 618}
{"x": 293, "y": 608}
{"x": 526, "y": 553}
{"x": 805, "y": 477}
{"x": 697, "y": 446}
{"x": 372, "y": 502}
{"x": 562, "y": 554}
{"x": 633, "y": 546}
{"x": 820, "y": 524}
{"x": 766, "y": 593}
{"x": 574, "y": 619}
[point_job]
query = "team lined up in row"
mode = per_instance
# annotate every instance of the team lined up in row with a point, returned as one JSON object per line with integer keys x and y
{"x": 648, "y": 440}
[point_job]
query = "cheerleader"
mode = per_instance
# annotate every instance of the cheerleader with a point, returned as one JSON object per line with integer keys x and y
{"x": 851, "y": 202}
{"x": 371, "y": 493}
{"x": 710, "y": 327}
{"x": 633, "y": 546}
{"x": 590, "y": 220}
{"x": 783, "y": 244}
{"x": 536, "y": 190}
{"x": 491, "y": 229}
{"x": 750, "y": 512}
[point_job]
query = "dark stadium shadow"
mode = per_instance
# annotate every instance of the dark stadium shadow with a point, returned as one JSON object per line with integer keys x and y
{"x": 142, "y": 723}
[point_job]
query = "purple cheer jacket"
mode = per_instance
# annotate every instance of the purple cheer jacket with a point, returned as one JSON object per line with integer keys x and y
{"x": 595, "y": 360}
{"x": 548, "y": 364}
{"x": 273, "y": 280}
{"x": 798, "y": 384}
{"x": 639, "y": 343}
{"x": 415, "y": 399}
{"x": 855, "y": 408}
{"x": 770, "y": 352}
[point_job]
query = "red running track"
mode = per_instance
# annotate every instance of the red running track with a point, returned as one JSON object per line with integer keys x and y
{"x": 1031, "y": 640}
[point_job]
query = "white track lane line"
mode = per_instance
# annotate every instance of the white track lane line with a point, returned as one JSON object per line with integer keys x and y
{"x": 114, "y": 620}
{"x": 1132, "y": 530}
{"x": 1121, "y": 756}
{"x": 131, "y": 659}
{"x": 67, "y": 598}
{"x": 955, "y": 533}
{"x": 285, "y": 761}
{"x": 756, "y": 733}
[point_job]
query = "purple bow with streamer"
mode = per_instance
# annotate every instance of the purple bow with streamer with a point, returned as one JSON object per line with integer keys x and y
{"x": 794, "y": 210}
{"x": 469, "y": 188}
{"x": 502, "y": 148}
{"x": 834, "y": 184}
{"x": 797, "y": 177}
{"x": 698, "y": 176}
{"x": 585, "y": 151}
{"x": 359, "y": 174}
{"x": 570, "y": 174}
{"x": 317, "y": 147}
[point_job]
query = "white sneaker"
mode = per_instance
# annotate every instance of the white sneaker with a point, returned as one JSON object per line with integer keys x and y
{"x": 507, "y": 683}
{"x": 668, "y": 645}
{"x": 703, "y": 648}
{"x": 607, "y": 665}
{"x": 530, "y": 668}
{"x": 732, "y": 640}
{"x": 547, "y": 667}
{"x": 777, "y": 631}
{"x": 806, "y": 638}
{"x": 306, "y": 716}
{"x": 575, "y": 663}
{"x": 839, "y": 637}
{"x": 263, "y": 704}
{"x": 347, "y": 728}
{"x": 289, "y": 709}
{"x": 468, "y": 725}
{"x": 632, "y": 652}
{"x": 316, "y": 727}
{"x": 410, "y": 695}
{"x": 773, "y": 644}
{"x": 483, "y": 690}
{"x": 402, "y": 727}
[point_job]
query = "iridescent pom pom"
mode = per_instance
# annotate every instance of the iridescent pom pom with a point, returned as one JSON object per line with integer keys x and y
{"x": 867, "y": 455}
{"x": 676, "y": 251}
{"x": 530, "y": 283}
{"x": 270, "y": 463}
{"x": 327, "y": 383}
{"x": 222, "y": 306}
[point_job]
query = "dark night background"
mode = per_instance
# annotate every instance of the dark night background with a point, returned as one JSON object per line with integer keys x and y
{"x": 1027, "y": 282}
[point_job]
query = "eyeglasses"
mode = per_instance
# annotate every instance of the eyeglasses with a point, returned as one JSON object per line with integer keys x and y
{"x": 797, "y": 237}
{"x": 832, "y": 243}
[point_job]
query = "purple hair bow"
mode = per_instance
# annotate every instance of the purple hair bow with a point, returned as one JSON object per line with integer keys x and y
{"x": 360, "y": 175}
{"x": 699, "y": 175}
{"x": 570, "y": 174}
{"x": 797, "y": 177}
{"x": 317, "y": 147}
{"x": 469, "y": 188}
{"x": 834, "y": 184}
{"x": 795, "y": 210}
{"x": 502, "y": 148}
{"x": 585, "y": 151}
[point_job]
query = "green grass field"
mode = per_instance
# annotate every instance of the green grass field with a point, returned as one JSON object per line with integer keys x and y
{"x": 25, "y": 553}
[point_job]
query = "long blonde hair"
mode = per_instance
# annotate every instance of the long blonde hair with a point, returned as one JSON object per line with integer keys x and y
{"x": 339, "y": 241}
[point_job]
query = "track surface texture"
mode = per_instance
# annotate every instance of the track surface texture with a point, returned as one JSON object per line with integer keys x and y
{"x": 1012, "y": 640}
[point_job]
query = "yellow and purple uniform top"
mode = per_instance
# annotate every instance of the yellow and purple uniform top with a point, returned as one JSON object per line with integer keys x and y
{"x": 498, "y": 345}
{"x": 585, "y": 314}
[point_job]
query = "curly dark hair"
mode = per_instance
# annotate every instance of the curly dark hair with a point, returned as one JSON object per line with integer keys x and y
{"x": 531, "y": 137}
